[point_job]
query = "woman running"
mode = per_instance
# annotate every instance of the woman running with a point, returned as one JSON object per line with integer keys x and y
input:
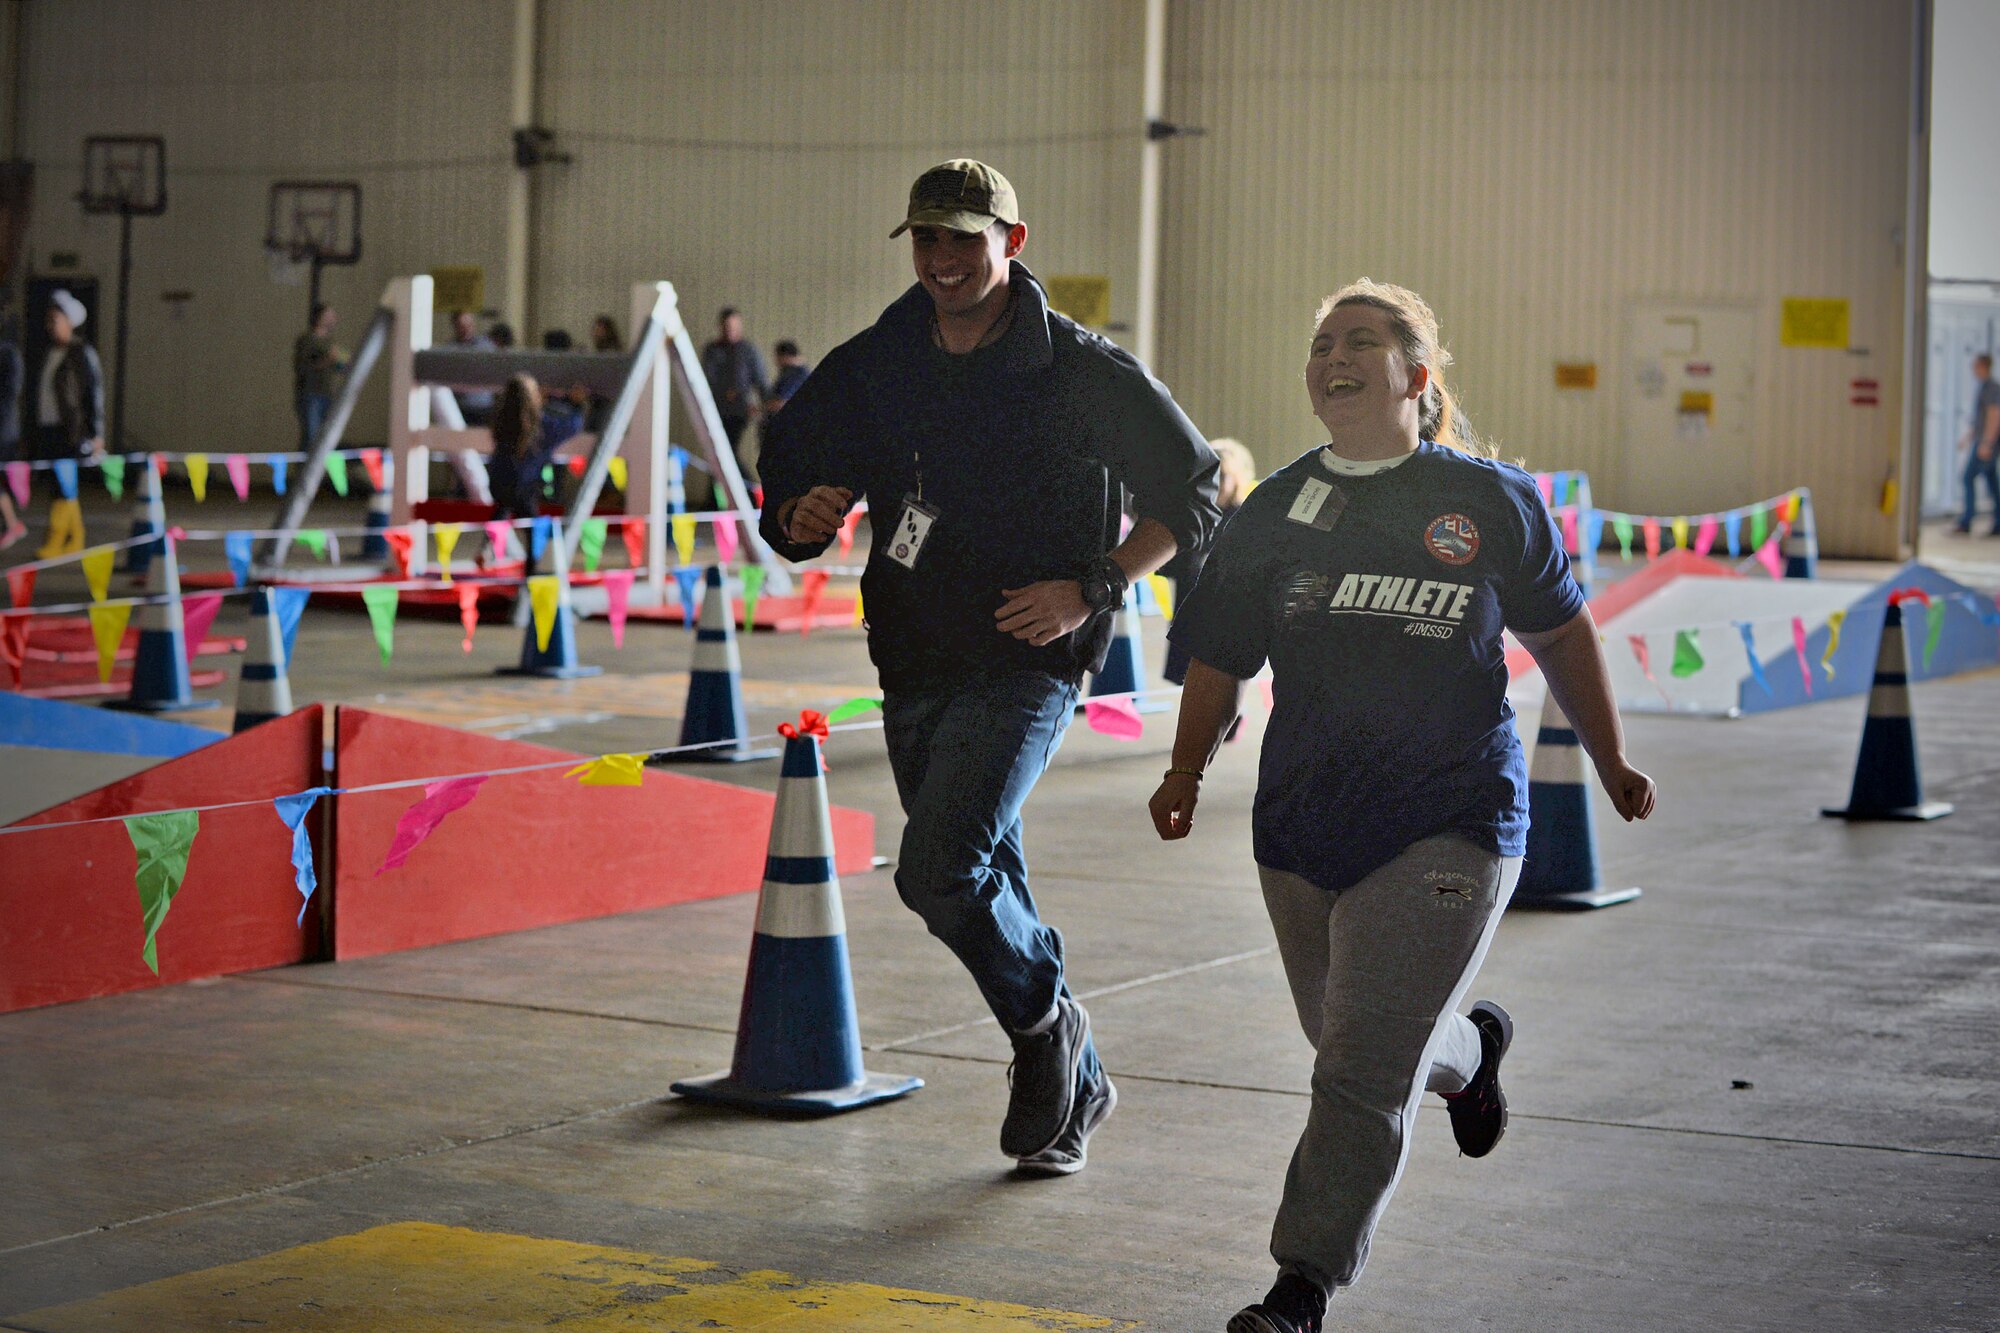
{"x": 1375, "y": 575}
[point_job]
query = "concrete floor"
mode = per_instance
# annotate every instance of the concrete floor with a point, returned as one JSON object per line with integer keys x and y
{"x": 1846, "y": 975}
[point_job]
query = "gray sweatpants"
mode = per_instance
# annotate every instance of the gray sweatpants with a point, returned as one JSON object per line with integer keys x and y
{"x": 1377, "y": 971}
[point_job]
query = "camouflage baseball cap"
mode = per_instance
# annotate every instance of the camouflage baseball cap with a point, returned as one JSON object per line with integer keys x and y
{"x": 963, "y": 195}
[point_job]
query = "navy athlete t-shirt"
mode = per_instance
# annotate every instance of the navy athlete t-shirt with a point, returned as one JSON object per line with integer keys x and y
{"x": 1379, "y": 602}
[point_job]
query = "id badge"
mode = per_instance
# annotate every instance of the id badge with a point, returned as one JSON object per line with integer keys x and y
{"x": 913, "y": 529}
{"x": 1318, "y": 504}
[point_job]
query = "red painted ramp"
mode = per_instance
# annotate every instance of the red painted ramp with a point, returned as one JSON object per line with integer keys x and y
{"x": 70, "y": 924}
{"x": 534, "y": 849}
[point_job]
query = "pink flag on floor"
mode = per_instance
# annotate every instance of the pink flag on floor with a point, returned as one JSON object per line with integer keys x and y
{"x": 238, "y": 468}
{"x": 421, "y": 820}
{"x": 197, "y": 614}
{"x": 617, "y": 597}
{"x": 725, "y": 541}
{"x": 1116, "y": 718}
{"x": 1704, "y": 536}
{"x": 1767, "y": 556}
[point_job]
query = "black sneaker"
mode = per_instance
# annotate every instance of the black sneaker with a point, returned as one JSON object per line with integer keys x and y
{"x": 1066, "y": 1156}
{"x": 1044, "y": 1077}
{"x": 1293, "y": 1305}
{"x": 1479, "y": 1113}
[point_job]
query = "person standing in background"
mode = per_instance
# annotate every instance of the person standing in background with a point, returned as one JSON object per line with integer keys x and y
{"x": 792, "y": 372}
{"x": 475, "y": 405}
{"x": 1981, "y": 445}
{"x": 12, "y": 529}
{"x": 316, "y": 363}
{"x": 604, "y": 337}
{"x": 69, "y": 411}
{"x": 737, "y": 381}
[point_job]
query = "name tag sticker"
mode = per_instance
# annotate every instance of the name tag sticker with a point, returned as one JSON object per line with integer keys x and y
{"x": 913, "y": 529}
{"x": 1318, "y": 505}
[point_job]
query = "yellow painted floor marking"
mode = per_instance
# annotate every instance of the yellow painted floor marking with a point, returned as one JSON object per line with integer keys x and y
{"x": 417, "y": 1277}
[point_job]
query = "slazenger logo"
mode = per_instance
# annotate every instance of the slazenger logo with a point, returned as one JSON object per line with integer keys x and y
{"x": 1452, "y": 538}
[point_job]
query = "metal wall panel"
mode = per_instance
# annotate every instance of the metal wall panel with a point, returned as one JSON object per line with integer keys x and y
{"x": 409, "y": 99}
{"x": 1536, "y": 168}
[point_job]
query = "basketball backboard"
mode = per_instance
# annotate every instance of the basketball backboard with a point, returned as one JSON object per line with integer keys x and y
{"x": 315, "y": 221}
{"x": 124, "y": 174}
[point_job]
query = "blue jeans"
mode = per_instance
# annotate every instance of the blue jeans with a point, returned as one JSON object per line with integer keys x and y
{"x": 965, "y": 760}
{"x": 312, "y": 409}
{"x": 1975, "y": 468}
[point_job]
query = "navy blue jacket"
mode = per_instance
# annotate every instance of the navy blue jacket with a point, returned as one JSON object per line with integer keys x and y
{"x": 1024, "y": 447}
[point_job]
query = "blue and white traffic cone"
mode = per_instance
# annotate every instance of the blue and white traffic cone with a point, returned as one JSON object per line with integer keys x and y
{"x": 714, "y": 713}
{"x": 264, "y": 690}
{"x": 160, "y": 676}
{"x": 149, "y": 517}
{"x": 798, "y": 1040}
{"x": 1560, "y": 870}
{"x": 1887, "y": 784}
{"x": 381, "y": 502}
{"x": 1124, "y": 670}
{"x": 1800, "y": 546}
{"x": 557, "y": 658}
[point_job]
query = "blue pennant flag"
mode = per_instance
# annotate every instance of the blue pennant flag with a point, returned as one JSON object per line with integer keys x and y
{"x": 278, "y": 475}
{"x": 66, "y": 477}
{"x": 1593, "y": 530}
{"x": 1730, "y": 521}
{"x": 236, "y": 546}
{"x": 292, "y": 809}
{"x": 689, "y": 577}
{"x": 288, "y": 604}
{"x": 538, "y": 537}
{"x": 1750, "y": 647}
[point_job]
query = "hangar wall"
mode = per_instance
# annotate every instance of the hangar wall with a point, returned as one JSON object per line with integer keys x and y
{"x": 1535, "y": 167}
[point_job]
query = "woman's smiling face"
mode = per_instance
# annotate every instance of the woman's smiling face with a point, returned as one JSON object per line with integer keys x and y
{"x": 1356, "y": 375}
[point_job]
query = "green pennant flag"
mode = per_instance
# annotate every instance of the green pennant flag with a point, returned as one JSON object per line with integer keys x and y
{"x": 112, "y": 466}
{"x": 591, "y": 544}
{"x": 1933, "y": 628}
{"x": 753, "y": 583}
{"x": 1622, "y": 525}
{"x": 1759, "y": 525}
{"x": 163, "y": 843}
{"x": 1687, "y": 654}
{"x": 381, "y": 603}
{"x": 336, "y": 472}
{"x": 852, "y": 708}
{"x": 313, "y": 540}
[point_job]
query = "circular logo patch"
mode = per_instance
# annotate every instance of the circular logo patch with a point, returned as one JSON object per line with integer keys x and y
{"x": 1452, "y": 539}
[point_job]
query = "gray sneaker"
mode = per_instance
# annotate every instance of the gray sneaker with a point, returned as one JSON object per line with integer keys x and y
{"x": 1044, "y": 1077}
{"x": 1066, "y": 1156}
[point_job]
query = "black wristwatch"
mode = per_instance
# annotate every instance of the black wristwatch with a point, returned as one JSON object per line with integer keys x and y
{"x": 1104, "y": 584}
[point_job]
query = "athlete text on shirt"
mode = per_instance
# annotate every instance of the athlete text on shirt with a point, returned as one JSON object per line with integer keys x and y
{"x": 1433, "y": 599}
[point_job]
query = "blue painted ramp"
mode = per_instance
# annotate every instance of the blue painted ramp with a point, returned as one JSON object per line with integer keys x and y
{"x": 52, "y": 725}
{"x": 1968, "y": 643}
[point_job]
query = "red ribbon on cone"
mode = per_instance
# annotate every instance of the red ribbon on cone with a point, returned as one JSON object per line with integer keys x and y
{"x": 1901, "y": 595}
{"x": 811, "y": 723}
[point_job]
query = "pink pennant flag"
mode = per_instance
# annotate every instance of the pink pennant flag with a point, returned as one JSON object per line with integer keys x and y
{"x": 20, "y": 588}
{"x": 421, "y": 820}
{"x": 633, "y": 530}
{"x": 812, "y": 585}
{"x": 1767, "y": 556}
{"x": 1645, "y": 656}
{"x": 617, "y": 597}
{"x": 1799, "y": 647}
{"x": 160, "y": 466}
{"x": 238, "y": 468}
{"x": 1651, "y": 527}
{"x": 725, "y": 541}
{"x": 371, "y": 463}
{"x": 1704, "y": 536}
{"x": 17, "y": 482}
{"x": 197, "y": 614}
{"x": 1571, "y": 542}
{"x": 496, "y": 537}
{"x": 1270, "y": 695}
{"x": 1116, "y": 718}
{"x": 1545, "y": 482}
{"x": 847, "y": 527}
{"x": 468, "y": 612}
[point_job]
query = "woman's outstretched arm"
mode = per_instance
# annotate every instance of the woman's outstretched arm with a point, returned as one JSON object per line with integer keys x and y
{"x": 1572, "y": 661}
{"x": 1209, "y": 703}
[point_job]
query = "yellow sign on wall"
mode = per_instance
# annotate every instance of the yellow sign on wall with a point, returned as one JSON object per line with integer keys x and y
{"x": 458, "y": 287}
{"x": 1576, "y": 374}
{"x": 1814, "y": 322}
{"x": 1085, "y": 298}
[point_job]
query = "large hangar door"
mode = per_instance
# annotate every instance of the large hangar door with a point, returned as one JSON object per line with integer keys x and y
{"x": 1687, "y": 408}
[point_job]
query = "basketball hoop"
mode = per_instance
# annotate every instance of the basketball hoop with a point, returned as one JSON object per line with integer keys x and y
{"x": 309, "y": 225}
{"x": 286, "y": 269}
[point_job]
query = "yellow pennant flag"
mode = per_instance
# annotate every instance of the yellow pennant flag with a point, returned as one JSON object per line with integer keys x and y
{"x": 543, "y": 593}
{"x": 97, "y": 571}
{"x": 1680, "y": 534}
{"x": 611, "y": 770}
{"x": 197, "y": 466}
{"x": 447, "y": 535}
{"x": 1792, "y": 507}
{"x": 858, "y": 613}
{"x": 683, "y": 527}
{"x": 616, "y": 467}
{"x": 1163, "y": 593}
{"x": 107, "y": 626}
{"x": 1833, "y": 620}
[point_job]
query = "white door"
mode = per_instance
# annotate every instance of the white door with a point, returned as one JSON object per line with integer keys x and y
{"x": 1689, "y": 373}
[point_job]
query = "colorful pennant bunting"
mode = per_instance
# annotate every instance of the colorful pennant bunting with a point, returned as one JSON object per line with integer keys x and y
{"x": 20, "y": 588}
{"x": 1834, "y": 620}
{"x": 688, "y": 578}
{"x": 1704, "y": 536}
{"x": 683, "y": 533}
{"x": 289, "y": 605}
{"x": 111, "y": 468}
{"x": 278, "y": 466}
{"x": 725, "y": 541}
{"x": 237, "y": 549}
{"x": 1687, "y": 654}
{"x": 590, "y": 543}
{"x": 107, "y": 630}
{"x": 544, "y": 595}
{"x": 65, "y": 470}
{"x": 851, "y": 709}
{"x": 812, "y": 587}
{"x": 238, "y": 468}
{"x": 197, "y": 470}
{"x": 753, "y": 584}
{"x": 292, "y": 810}
{"x": 336, "y": 472}
{"x": 447, "y": 542}
{"x": 468, "y": 612}
{"x": 422, "y": 819}
{"x": 1651, "y": 528}
{"x": 314, "y": 540}
{"x": 162, "y": 843}
{"x": 1933, "y": 629}
{"x": 381, "y": 604}
{"x": 371, "y": 463}
{"x": 1749, "y": 634}
{"x": 197, "y": 615}
{"x": 618, "y": 471}
{"x": 611, "y": 770}
{"x": 633, "y": 532}
{"x": 1799, "y": 650}
{"x": 1163, "y": 592}
{"x": 1117, "y": 718}
{"x": 19, "y": 476}
{"x": 618, "y": 600}
{"x": 97, "y": 562}
{"x": 1621, "y": 527}
{"x": 1768, "y": 557}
